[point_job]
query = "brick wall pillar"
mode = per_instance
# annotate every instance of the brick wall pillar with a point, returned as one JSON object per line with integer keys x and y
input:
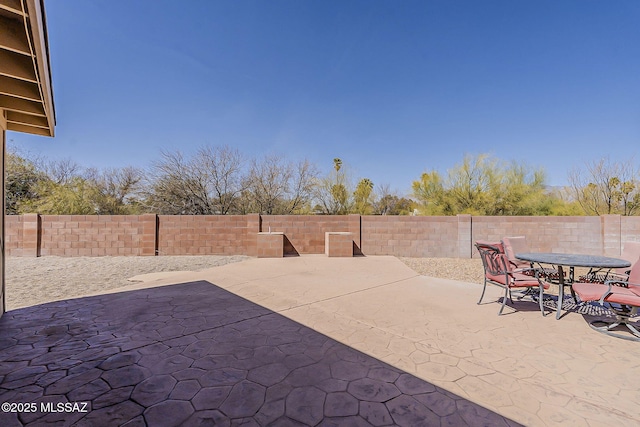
{"x": 31, "y": 235}
{"x": 149, "y": 240}
{"x": 355, "y": 228}
{"x": 611, "y": 235}
{"x": 254, "y": 226}
{"x": 465, "y": 244}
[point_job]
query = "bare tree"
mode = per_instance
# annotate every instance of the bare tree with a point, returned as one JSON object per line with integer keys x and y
{"x": 276, "y": 186}
{"x": 606, "y": 187}
{"x": 388, "y": 202}
{"x": 332, "y": 193}
{"x": 61, "y": 171}
{"x": 220, "y": 169}
{"x": 175, "y": 188}
{"x": 302, "y": 186}
{"x": 208, "y": 183}
{"x": 114, "y": 191}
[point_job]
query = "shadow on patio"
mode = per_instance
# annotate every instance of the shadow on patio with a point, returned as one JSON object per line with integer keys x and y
{"x": 186, "y": 353}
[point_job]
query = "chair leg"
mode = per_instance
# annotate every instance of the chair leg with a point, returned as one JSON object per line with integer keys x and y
{"x": 483, "y": 289}
{"x": 573, "y": 294}
{"x": 634, "y": 330}
{"x": 607, "y": 328}
{"x": 504, "y": 300}
{"x": 540, "y": 300}
{"x": 623, "y": 316}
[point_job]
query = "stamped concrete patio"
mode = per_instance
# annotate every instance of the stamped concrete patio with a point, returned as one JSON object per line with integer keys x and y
{"x": 311, "y": 340}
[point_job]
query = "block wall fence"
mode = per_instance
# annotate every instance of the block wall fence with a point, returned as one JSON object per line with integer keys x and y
{"x": 35, "y": 235}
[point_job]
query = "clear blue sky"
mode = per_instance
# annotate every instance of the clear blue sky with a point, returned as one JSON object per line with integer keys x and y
{"x": 394, "y": 88}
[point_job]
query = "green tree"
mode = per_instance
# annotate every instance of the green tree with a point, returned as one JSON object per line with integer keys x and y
{"x": 23, "y": 182}
{"x": 484, "y": 186}
{"x": 332, "y": 193}
{"x": 517, "y": 191}
{"x": 470, "y": 184}
{"x": 70, "y": 198}
{"x": 362, "y": 197}
{"x": 430, "y": 192}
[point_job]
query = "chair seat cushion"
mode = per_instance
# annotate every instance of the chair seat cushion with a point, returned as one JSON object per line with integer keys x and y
{"x": 619, "y": 294}
{"x": 520, "y": 280}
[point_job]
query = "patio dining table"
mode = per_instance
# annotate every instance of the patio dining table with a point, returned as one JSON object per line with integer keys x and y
{"x": 571, "y": 260}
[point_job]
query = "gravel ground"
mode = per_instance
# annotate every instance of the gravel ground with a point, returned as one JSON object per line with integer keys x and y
{"x": 464, "y": 270}
{"x": 31, "y": 281}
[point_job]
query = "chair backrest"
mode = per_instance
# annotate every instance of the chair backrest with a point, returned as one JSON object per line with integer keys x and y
{"x": 494, "y": 260}
{"x": 634, "y": 274}
{"x": 497, "y": 245}
{"x": 514, "y": 245}
{"x": 630, "y": 252}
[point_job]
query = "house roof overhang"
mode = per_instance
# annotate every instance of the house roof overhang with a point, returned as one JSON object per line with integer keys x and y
{"x": 26, "y": 92}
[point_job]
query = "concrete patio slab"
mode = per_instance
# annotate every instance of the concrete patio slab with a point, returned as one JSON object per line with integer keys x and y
{"x": 312, "y": 340}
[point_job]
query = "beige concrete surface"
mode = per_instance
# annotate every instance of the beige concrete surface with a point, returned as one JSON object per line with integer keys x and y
{"x": 532, "y": 369}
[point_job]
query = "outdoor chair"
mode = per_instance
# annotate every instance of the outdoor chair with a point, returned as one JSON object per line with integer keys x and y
{"x": 630, "y": 252}
{"x": 622, "y": 297}
{"x": 500, "y": 272}
{"x": 518, "y": 244}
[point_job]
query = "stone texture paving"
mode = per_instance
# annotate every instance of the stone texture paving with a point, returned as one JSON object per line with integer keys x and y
{"x": 535, "y": 370}
{"x": 195, "y": 354}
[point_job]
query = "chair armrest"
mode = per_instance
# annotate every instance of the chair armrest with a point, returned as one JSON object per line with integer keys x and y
{"x": 536, "y": 270}
{"x": 621, "y": 283}
{"x": 610, "y": 284}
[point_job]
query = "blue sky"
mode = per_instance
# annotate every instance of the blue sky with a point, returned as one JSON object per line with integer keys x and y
{"x": 394, "y": 88}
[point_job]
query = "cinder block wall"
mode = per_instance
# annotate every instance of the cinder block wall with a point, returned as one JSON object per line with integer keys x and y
{"x": 91, "y": 235}
{"x": 410, "y": 236}
{"x": 13, "y": 235}
{"x": 304, "y": 234}
{"x": 202, "y": 235}
{"x": 582, "y": 234}
{"x": 630, "y": 229}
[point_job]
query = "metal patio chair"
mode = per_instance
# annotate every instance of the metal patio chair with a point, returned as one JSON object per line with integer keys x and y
{"x": 500, "y": 272}
{"x": 621, "y": 296}
{"x": 518, "y": 244}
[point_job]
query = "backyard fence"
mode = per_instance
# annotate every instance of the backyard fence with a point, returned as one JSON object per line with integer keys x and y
{"x": 411, "y": 236}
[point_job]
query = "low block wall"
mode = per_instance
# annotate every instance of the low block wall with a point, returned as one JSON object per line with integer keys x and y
{"x": 90, "y": 235}
{"x": 304, "y": 234}
{"x": 202, "y": 235}
{"x": 140, "y": 235}
{"x": 552, "y": 234}
{"x": 410, "y": 236}
{"x": 13, "y": 235}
